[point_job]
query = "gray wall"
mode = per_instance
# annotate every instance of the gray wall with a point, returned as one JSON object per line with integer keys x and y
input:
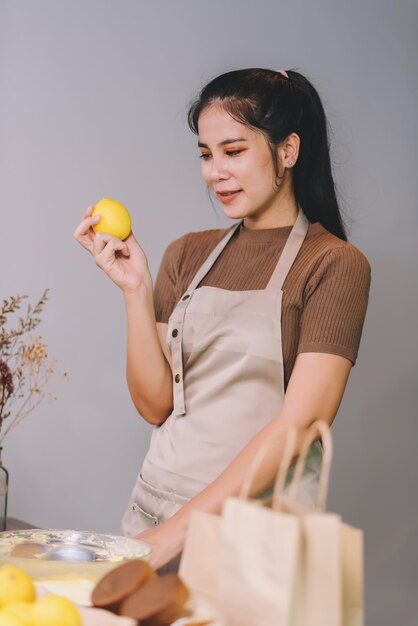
{"x": 93, "y": 103}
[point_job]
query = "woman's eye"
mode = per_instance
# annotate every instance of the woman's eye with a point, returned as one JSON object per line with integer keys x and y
{"x": 205, "y": 155}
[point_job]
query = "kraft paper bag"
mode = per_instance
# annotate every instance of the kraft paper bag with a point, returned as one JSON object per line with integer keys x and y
{"x": 333, "y": 559}
{"x": 352, "y": 576}
{"x": 290, "y": 565}
{"x": 333, "y": 571}
{"x": 322, "y": 598}
{"x": 199, "y": 565}
{"x": 260, "y": 566}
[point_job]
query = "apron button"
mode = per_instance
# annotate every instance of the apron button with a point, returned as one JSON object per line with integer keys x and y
{"x": 186, "y": 297}
{"x": 177, "y": 378}
{"x": 175, "y": 332}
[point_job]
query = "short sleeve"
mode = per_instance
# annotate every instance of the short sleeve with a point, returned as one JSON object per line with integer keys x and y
{"x": 166, "y": 287}
{"x": 335, "y": 304}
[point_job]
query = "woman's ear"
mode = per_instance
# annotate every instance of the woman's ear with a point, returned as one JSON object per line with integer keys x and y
{"x": 288, "y": 151}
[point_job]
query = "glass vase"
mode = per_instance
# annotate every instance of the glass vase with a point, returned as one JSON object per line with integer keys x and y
{"x": 4, "y": 488}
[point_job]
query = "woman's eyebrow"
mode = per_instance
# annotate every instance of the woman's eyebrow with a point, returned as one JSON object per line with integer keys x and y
{"x": 223, "y": 143}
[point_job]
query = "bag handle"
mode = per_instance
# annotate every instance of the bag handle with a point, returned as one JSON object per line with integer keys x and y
{"x": 289, "y": 448}
{"x": 322, "y": 427}
{"x": 284, "y": 465}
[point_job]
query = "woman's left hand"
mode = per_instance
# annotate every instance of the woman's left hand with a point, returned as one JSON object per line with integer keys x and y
{"x": 166, "y": 541}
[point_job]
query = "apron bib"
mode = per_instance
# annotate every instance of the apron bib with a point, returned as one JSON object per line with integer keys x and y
{"x": 228, "y": 383}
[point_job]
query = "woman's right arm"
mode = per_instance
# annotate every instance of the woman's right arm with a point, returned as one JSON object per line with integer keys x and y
{"x": 148, "y": 370}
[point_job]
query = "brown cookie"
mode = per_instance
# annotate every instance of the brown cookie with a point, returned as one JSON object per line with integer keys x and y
{"x": 120, "y": 583}
{"x": 157, "y": 603}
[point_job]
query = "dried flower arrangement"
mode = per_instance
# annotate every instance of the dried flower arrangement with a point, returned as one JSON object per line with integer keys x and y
{"x": 25, "y": 371}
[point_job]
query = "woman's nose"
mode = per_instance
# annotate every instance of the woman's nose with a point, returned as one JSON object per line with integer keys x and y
{"x": 218, "y": 170}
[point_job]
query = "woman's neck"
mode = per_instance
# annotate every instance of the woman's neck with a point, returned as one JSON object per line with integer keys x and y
{"x": 277, "y": 217}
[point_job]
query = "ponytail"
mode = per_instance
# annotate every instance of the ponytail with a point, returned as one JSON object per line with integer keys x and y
{"x": 313, "y": 182}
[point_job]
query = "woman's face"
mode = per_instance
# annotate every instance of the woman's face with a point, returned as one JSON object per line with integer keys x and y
{"x": 237, "y": 159}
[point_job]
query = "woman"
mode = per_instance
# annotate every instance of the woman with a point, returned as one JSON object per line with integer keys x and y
{"x": 248, "y": 327}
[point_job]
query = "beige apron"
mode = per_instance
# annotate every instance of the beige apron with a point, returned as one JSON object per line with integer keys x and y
{"x": 228, "y": 383}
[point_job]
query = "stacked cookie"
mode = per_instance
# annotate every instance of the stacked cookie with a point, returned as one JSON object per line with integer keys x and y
{"x": 135, "y": 590}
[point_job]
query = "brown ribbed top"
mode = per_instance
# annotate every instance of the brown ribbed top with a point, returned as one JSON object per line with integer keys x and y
{"x": 325, "y": 294}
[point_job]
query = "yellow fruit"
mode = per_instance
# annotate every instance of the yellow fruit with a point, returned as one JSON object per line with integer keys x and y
{"x": 115, "y": 219}
{"x": 15, "y": 586}
{"x": 22, "y": 610}
{"x": 8, "y": 619}
{"x": 55, "y": 611}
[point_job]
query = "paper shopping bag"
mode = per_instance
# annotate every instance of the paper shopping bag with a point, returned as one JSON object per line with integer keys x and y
{"x": 199, "y": 565}
{"x": 288, "y": 568}
{"x": 332, "y": 571}
{"x": 260, "y": 555}
{"x": 333, "y": 558}
{"x": 322, "y": 582}
{"x": 352, "y": 576}
{"x": 260, "y": 566}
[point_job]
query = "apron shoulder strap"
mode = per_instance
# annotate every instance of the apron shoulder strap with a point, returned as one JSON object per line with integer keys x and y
{"x": 290, "y": 251}
{"x": 204, "y": 269}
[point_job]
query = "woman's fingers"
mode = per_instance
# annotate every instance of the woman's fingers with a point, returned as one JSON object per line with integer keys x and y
{"x": 85, "y": 225}
{"x": 109, "y": 252}
{"x": 89, "y": 211}
{"x": 123, "y": 262}
{"x": 84, "y": 233}
{"x": 133, "y": 244}
{"x": 105, "y": 248}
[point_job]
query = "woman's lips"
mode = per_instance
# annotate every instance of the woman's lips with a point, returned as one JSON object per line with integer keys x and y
{"x": 227, "y": 196}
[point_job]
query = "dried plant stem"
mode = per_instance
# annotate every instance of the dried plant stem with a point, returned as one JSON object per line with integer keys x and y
{"x": 25, "y": 371}
{"x": 21, "y": 413}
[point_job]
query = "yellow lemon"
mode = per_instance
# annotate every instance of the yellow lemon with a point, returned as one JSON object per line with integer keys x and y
{"x": 15, "y": 586}
{"x": 8, "y": 619}
{"x": 22, "y": 610}
{"x": 115, "y": 219}
{"x": 55, "y": 610}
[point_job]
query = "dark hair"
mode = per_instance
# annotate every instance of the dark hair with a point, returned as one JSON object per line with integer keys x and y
{"x": 278, "y": 106}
